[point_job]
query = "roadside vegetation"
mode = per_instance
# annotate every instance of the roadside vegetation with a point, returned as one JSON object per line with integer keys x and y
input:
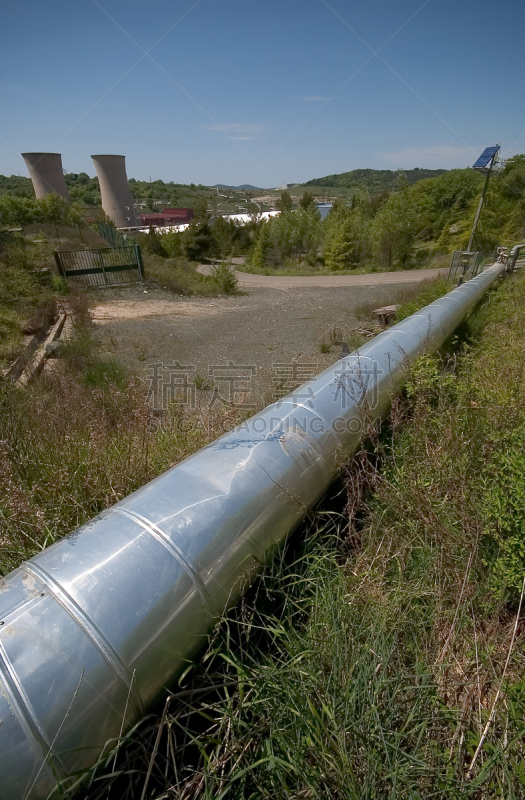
{"x": 180, "y": 276}
{"x": 382, "y": 652}
{"x": 28, "y": 291}
{"x": 83, "y": 437}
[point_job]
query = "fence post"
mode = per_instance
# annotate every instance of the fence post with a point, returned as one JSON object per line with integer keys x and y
{"x": 59, "y": 264}
{"x": 101, "y": 262}
{"x": 140, "y": 262}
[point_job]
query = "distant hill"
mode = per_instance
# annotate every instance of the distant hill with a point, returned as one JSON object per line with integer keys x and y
{"x": 149, "y": 195}
{"x": 375, "y": 180}
{"x": 246, "y": 187}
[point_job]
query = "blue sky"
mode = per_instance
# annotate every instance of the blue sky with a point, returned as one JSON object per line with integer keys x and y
{"x": 265, "y": 92}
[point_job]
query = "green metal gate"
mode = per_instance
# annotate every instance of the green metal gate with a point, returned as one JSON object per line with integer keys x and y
{"x": 101, "y": 266}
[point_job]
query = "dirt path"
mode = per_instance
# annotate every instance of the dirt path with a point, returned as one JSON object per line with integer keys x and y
{"x": 266, "y": 331}
{"x": 248, "y": 281}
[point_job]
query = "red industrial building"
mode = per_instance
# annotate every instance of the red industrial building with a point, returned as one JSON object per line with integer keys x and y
{"x": 170, "y": 216}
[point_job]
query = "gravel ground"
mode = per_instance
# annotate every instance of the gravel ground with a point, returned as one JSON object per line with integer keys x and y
{"x": 270, "y": 332}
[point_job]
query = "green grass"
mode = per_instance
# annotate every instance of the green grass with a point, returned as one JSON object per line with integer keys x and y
{"x": 409, "y": 299}
{"x": 26, "y": 292}
{"x": 301, "y": 268}
{"x": 105, "y": 373}
{"x": 413, "y": 299}
{"x": 180, "y": 277}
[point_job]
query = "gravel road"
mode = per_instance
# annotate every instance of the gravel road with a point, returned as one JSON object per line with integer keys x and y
{"x": 248, "y": 280}
{"x": 267, "y": 331}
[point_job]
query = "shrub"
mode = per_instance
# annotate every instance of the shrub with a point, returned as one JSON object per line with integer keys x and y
{"x": 102, "y": 374}
{"x": 178, "y": 276}
{"x": 153, "y": 242}
{"x": 223, "y": 277}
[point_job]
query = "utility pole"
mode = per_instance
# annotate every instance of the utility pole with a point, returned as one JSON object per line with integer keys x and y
{"x": 488, "y": 157}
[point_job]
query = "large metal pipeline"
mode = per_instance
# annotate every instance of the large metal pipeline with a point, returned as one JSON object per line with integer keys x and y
{"x": 93, "y": 628}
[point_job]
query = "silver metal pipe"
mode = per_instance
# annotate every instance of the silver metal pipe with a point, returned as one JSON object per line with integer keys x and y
{"x": 95, "y": 627}
{"x": 513, "y": 256}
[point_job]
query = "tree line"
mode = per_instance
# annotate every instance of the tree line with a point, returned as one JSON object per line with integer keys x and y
{"x": 19, "y": 212}
{"x": 388, "y": 230}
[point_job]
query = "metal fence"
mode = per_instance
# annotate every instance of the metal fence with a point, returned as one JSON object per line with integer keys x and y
{"x": 101, "y": 266}
{"x": 465, "y": 265}
{"x": 112, "y": 236}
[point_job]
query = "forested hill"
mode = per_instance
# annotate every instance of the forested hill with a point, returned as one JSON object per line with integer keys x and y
{"x": 151, "y": 196}
{"x": 374, "y": 180}
{"x": 85, "y": 190}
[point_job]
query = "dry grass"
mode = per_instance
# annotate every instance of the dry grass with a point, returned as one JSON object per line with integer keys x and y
{"x": 44, "y": 313}
{"x": 409, "y": 299}
{"x": 83, "y": 438}
{"x": 68, "y": 238}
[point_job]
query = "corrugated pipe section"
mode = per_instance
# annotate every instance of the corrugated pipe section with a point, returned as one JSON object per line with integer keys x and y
{"x": 93, "y": 628}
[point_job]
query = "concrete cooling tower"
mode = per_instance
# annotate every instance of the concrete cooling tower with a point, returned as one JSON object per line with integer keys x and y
{"x": 117, "y": 200}
{"x": 46, "y": 173}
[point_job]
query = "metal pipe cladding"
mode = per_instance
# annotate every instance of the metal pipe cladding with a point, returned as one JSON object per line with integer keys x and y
{"x": 92, "y": 628}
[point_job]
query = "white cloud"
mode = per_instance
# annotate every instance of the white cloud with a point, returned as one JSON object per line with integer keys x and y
{"x": 441, "y": 156}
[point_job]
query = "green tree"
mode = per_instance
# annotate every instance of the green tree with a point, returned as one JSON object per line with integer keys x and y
{"x": 285, "y": 202}
{"x": 76, "y": 217}
{"x": 153, "y": 242}
{"x": 347, "y": 240}
{"x": 394, "y": 230}
{"x": 55, "y": 209}
{"x": 261, "y": 248}
{"x": 200, "y": 209}
{"x": 308, "y": 199}
{"x": 513, "y": 178}
{"x": 293, "y": 234}
{"x": 16, "y": 211}
{"x": 198, "y": 242}
{"x": 224, "y": 232}
{"x": 172, "y": 243}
